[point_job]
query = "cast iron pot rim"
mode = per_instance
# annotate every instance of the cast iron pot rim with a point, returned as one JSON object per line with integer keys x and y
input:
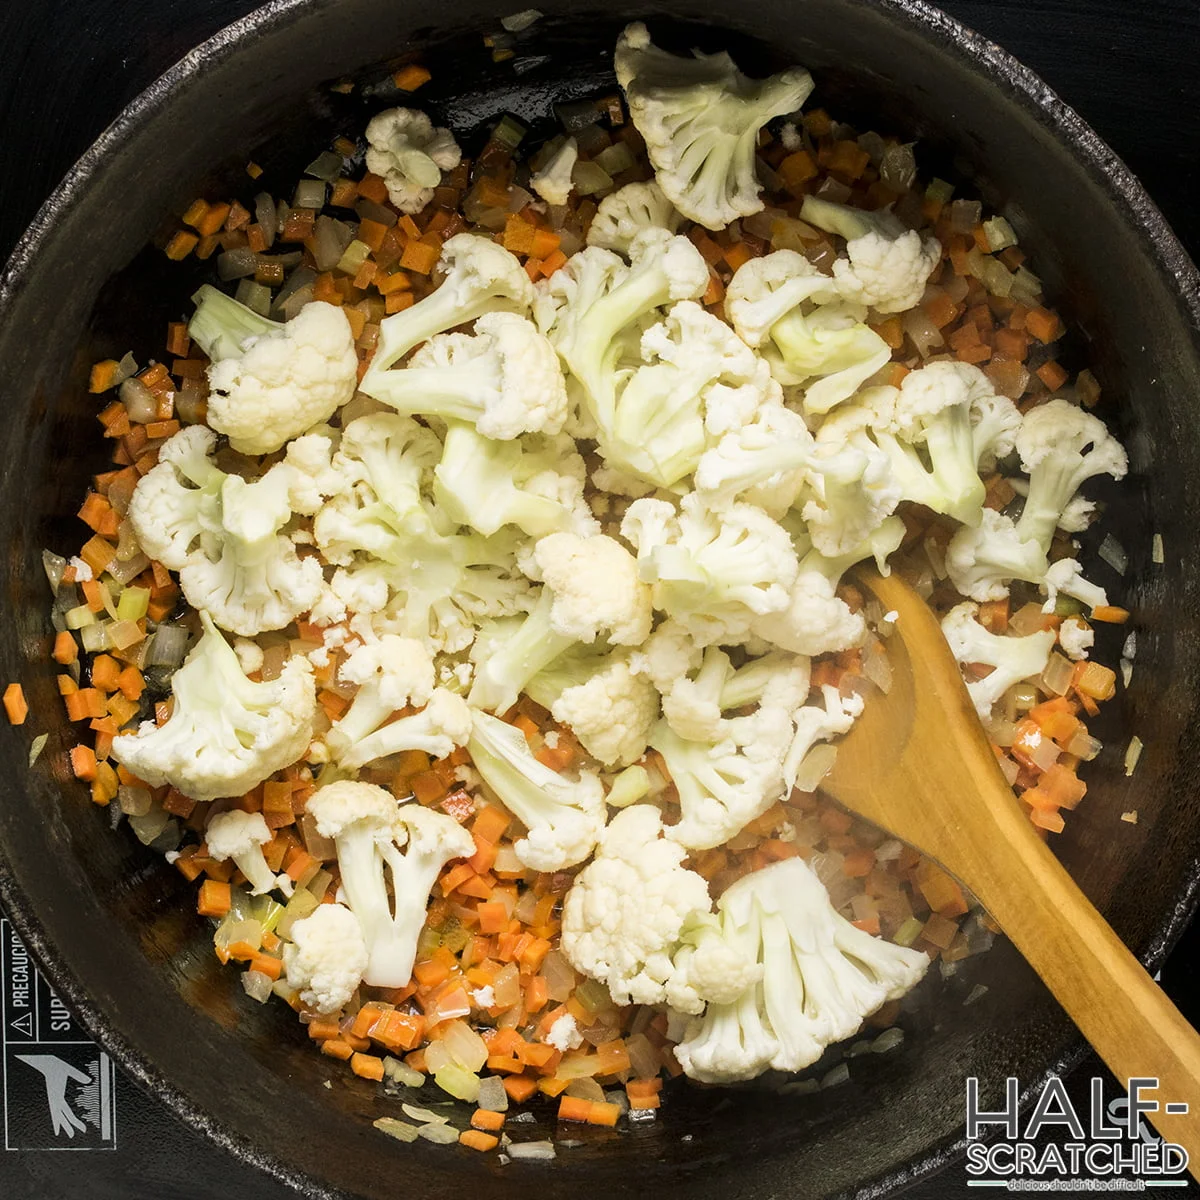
{"x": 986, "y": 56}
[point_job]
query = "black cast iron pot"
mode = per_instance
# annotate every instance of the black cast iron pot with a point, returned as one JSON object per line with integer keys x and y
{"x": 115, "y": 928}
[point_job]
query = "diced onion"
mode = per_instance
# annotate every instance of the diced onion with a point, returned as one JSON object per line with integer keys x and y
{"x": 402, "y": 1131}
{"x": 839, "y": 1075}
{"x": 1133, "y": 754}
{"x": 330, "y": 240}
{"x": 169, "y": 646}
{"x": 267, "y": 216}
{"x": 327, "y": 166}
{"x": 465, "y": 1046}
{"x": 586, "y": 1088}
{"x": 515, "y": 22}
{"x": 889, "y": 1039}
{"x": 310, "y": 193}
{"x": 401, "y": 1073}
{"x": 149, "y": 825}
{"x": 898, "y": 167}
{"x": 237, "y": 263}
{"x": 458, "y": 1082}
{"x": 258, "y": 985}
{"x": 1114, "y": 554}
{"x": 1057, "y": 676}
{"x": 134, "y": 801}
{"x": 532, "y": 1151}
{"x": 1156, "y": 550}
{"x": 590, "y": 178}
{"x": 492, "y": 1096}
{"x": 254, "y": 296}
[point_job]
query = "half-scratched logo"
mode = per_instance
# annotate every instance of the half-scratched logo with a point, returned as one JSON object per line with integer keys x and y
{"x": 58, "y": 1084}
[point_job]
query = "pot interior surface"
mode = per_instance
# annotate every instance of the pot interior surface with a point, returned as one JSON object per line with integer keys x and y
{"x": 118, "y": 927}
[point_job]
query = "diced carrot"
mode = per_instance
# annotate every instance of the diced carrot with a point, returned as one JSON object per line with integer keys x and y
{"x": 14, "y": 704}
{"x": 397, "y": 281}
{"x": 343, "y": 194}
{"x": 552, "y": 262}
{"x": 427, "y": 787}
{"x": 612, "y": 1057}
{"x": 215, "y": 899}
{"x": 493, "y": 917}
{"x": 268, "y": 965}
{"x": 478, "y": 1140}
{"x": 490, "y": 824}
{"x": 715, "y": 291}
{"x": 430, "y": 972}
{"x": 212, "y": 219}
{"x": 411, "y": 77}
{"x": 483, "y": 1118}
{"x": 1043, "y": 324}
{"x": 323, "y": 1028}
{"x": 83, "y": 762}
{"x": 1012, "y": 344}
{"x": 106, "y": 671}
{"x": 367, "y": 1066}
{"x": 419, "y": 257}
{"x": 545, "y": 243}
{"x": 892, "y": 332}
{"x": 1052, "y": 375}
{"x": 796, "y": 170}
{"x": 337, "y": 1048}
{"x": 1110, "y": 614}
{"x": 1093, "y": 681}
{"x": 537, "y": 994}
{"x": 600, "y": 1113}
{"x": 66, "y": 649}
{"x": 736, "y": 255}
{"x": 993, "y": 615}
{"x": 639, "y": 1103}
{"x": 103, "y": 375}
{"x": 181, "y": 245}
{"x": 572, "y": 1108}
{"x": 455, "y": 876}
{"x": 398, "y": 302}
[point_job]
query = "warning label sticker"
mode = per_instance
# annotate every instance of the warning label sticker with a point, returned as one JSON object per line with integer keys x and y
{"x": 58, "y": 1084}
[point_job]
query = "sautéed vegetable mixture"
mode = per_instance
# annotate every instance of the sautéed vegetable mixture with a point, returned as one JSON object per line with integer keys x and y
{"x": 467, "y": 610}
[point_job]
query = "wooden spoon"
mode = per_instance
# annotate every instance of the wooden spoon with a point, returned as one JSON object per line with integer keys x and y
{"x": 918, "y": 764}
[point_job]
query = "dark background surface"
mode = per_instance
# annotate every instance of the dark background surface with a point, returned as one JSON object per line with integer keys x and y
{"x": 1131, "y": 69}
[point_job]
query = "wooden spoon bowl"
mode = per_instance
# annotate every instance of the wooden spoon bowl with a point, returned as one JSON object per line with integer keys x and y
{"x": 918, "y": 764}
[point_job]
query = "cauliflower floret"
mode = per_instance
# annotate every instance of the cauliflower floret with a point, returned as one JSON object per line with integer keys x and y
{"x": 696, "y": 379}
{"x": 242, "y": 836}
{"x": 1061, "y": 447}
{"x": 225, "y": 734}
{"x": 708, "y": 969}
{"x": 1066, "y": 576}
{"x": 479, "y": 277}
{"x": 609, "y": 708}
{"x": 700, "y": 117}
{"x": 593, "y": 310}
{"x": 283, "y": 382}
{"x": 505, "y": 379}
{"x": 563, "y": 817}
{"x": 369, "y": 828}
{"x": 623, "y": 214}
{"x": 713, "y": 572}
{"x": 221, "y": 326}
{"x": 487, "y": 484}
{"x": 887, "y": 266}
{"x": 668, "y": 653}
{"x": 553, "y": 182}
{"x": 591, "y": 590}
{"x": 409, "y": 154}
{"x": 223, "y": 536}
{"x": 819, "y": 723}
{"x": 821, "y": 977}
{"x": 1076, "y": 638}
{"x": 815, "y": 620}
{"x": 852, "y": 488}
{"x": 626, "y": 911}
{"x": 764, "y": 290}
{"x": 326, "y": 958}
{"x": 1012, "y": 658}
{"x": 983, "y": 560}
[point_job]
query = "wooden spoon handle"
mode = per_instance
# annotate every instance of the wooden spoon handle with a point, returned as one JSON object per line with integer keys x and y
{"x": 1121, "y": 1011}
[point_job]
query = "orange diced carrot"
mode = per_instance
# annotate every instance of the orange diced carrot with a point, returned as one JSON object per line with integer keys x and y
{"x": 600, "y": 1113}
{"x": 478, "y": 1140}
{"x": 214, "y": 900}
{"x": 268, "y": 965}
{"x": 419, "y": 257}
{"x": 519, "y": 1088}
{"x": 490, "y": 824}
{"x": 103, "y": 375}
{"x": 181, "y": 245}
{"x": 398, "y": 302}
{"x": 1052, "y": 375}
{"x": 83, "y": 762}
{"x": 367, "y": 1066}
{"x": 1043, "y": 324}
{"x": 736, "y": 255}
{"x": 552, "y": 262}
{"x": 337, "y": 1048}
{"x": 572, "y": 1108}
{"x": 493, "y": 917}
{"x": 66, "y": 649}
{"x": 14, "y": 704}
{"x": 411, "y": 77}
{"x": 213, "y": 219}
{"x": 483, "y": 1118}
{"x": 796, "y": 170}
{"x": 1048, "y": 819}
{"x": 715, "y": 291}
{"x": 1110, "y": 614}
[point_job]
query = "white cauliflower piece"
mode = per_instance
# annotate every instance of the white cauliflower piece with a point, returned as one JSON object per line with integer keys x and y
{"x": 553, "y": 182}
{"x": 283, "y": 382}
{"x": 326, "y": 957}
{"x": 505, "y": 379}
{"x": 700, "y": 117}
{"x": 242, "y": 836}
{"x": 409, "y": 154}
{"x": 225, "y": 734}
{"x": 623, "y": 214}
